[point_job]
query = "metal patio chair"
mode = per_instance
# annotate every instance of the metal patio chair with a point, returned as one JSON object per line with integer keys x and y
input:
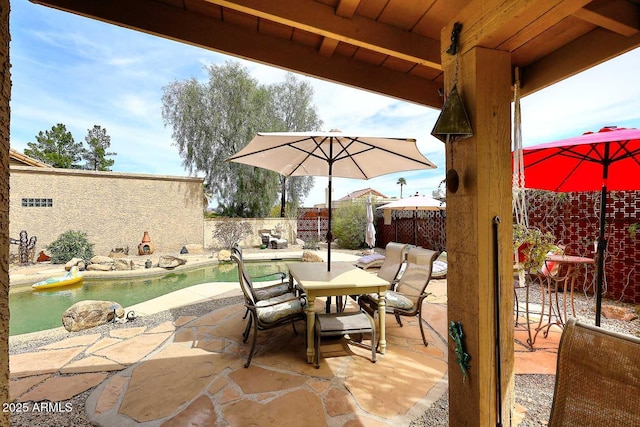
{"x": 597, "y": 378}
{"x": 267, "y": 313}
{"x": 407, "y": 298}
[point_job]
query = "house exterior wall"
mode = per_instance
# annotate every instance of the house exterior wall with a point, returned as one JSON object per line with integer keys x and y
{"x": 113, "y": 208}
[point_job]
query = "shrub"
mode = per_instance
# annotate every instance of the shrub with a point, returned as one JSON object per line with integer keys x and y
{"x": 70, "y": 244}
{"x": 229, "y": 233}
{"x": 350, "y": 225}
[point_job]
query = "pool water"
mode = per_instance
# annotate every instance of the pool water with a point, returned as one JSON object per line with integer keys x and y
{"x": 39, "y": 310}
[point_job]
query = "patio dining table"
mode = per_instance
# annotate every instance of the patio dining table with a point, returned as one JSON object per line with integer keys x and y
{"x": 343, "y": 279}
{"x": 562, "y": 281}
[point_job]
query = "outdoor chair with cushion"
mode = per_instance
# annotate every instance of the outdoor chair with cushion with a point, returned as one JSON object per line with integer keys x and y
{"x": 264, "y": 292}
{"x": 394, "y": 256}
{"x": 597, "y": 378}
{"x": 390, "y": 267}
{"x": 272, "y": 241}
{"x": 407, "y": 298}
{"x": 267, "y": 313}
{"x": 344, "y": 323}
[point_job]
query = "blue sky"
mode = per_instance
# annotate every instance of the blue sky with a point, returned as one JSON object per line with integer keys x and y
{"x": 80, "y": 72}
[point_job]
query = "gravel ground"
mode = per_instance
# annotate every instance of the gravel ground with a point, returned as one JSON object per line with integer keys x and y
{"x": 534, "y": 392}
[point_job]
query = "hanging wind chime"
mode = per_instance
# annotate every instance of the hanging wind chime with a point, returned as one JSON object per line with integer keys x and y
{"x": 453, "y": 123}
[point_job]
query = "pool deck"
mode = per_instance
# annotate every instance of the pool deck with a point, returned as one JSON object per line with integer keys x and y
{"x": 189, "y": 371}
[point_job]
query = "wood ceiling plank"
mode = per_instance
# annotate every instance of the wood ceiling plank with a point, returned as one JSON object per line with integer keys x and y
{"x": 491, "y": 23}
{"x": 371, "y": 9}
{"x": 619, "y": 16}
{"x": 318, "y": 18}
{"x": 328, "y": 46}
{"x": 271, "y": 28}
{"x": 347, "y": 8}
{"x": 404, "y": 14}
{"x": 439, "y": 14}
{"x": 552, "y": 39}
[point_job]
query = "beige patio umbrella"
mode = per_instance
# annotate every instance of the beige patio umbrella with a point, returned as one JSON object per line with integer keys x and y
{"x": 332, "y": 154}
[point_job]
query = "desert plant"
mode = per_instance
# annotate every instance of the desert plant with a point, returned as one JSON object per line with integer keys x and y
{"x": 350, "y": 225}
{"x": 229, "y": 233}
{"x": 70, "y": 244}
{"x": 311, "y": 243}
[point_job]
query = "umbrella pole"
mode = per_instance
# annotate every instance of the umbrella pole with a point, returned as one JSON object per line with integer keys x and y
{"x": 602, "y": 243}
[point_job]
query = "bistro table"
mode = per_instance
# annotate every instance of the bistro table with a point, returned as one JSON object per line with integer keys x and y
{"x": 343, "y": 279}
{"x": 562, "y": 281}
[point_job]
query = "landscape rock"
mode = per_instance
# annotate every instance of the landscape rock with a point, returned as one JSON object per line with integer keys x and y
{"x": 123, "y": 264}
{"x": 90, "y": 313}
{"x": 618, "y": 313}
{"x": 168, "y": 261}
{"x": 72, "y": 263}
{"x": 99, "y": 259}
{"x": 224, "y": 255}
{"x": 310, "y": 257}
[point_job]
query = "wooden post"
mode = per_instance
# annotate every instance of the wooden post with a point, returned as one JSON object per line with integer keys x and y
{"x": 483, "y": 163}
{"x": 5, "y": 90}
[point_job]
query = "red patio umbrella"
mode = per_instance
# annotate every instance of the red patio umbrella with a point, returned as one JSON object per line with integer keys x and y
{"x": 605, "y": 160}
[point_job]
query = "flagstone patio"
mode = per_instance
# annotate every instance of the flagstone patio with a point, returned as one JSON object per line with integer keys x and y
{"x": 190, "y": 370}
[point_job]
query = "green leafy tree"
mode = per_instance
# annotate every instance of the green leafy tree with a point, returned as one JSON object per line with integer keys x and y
{"x": 350, "y": 225}
{"x": 292, "y": 109}
{"x": 96, "y": 155}
{"x": 211, "y": 121}
{"x": 402, "y": 182}
{"x": 56, "y": 147}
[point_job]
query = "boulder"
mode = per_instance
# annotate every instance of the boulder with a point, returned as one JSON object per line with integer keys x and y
{"x": 91, "y": 313}
{"x": 224, "y": 255}
{"x": 123, "y": 264}
{"x": 99, "y": 259}
{"x": 618, "y": 313}
{"x": 72, "y": 263}
{"x": 311, "y": 257}
{"x": 168, "y": 261}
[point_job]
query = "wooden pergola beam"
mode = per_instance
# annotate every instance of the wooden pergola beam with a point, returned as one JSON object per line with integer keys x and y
{"x": 319, "y": 18}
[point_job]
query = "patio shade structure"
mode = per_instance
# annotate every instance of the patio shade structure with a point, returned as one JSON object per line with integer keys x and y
{"x": 331, "y": 154}
{"x": 605, "y": 160}
{"x": 414, "y": 203}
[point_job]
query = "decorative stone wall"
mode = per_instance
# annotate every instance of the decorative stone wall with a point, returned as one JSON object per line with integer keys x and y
{"x": 113, "y": 208}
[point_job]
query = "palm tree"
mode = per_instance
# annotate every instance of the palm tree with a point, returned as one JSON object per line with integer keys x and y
{"x": 402, "y": 182}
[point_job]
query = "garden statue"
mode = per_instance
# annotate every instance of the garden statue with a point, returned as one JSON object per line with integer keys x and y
{"x": 26, "y": 247}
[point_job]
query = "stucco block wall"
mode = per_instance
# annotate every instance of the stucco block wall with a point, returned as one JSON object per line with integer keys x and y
{"x": 287, "y": 227}
{"x": 113, "y": 208}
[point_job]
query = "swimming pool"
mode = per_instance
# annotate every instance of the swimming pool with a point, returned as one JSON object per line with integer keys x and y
{"x": 33, "y": 311}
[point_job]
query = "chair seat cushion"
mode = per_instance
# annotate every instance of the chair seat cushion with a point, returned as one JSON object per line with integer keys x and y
{"x": 270, "y": 291}
{"x": 439, "y": 269}
{"x": 273, "y": 313}
{"x": 394, "y": 300}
